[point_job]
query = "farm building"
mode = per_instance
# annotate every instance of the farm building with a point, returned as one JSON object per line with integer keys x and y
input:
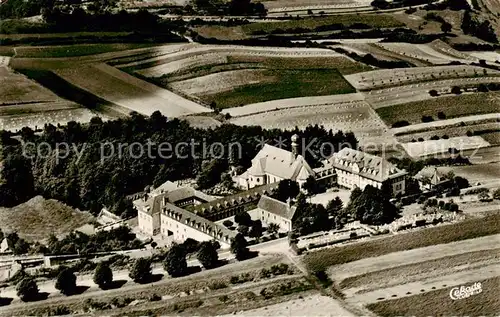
{"x": 358, "y": 169}
{"x": 270, "y": 210}
{"x": 273, "y": 164}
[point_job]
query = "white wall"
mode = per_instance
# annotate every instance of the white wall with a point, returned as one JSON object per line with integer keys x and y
{"x": 267, "y": 217}
{"x": 182, "y": 231}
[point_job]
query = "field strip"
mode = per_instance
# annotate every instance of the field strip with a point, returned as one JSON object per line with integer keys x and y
{"x": 292, "y": 103}
{"x": 226, "y": 50}
{"x": 418, "y": 92}
{"x": 128, "y": 91}
{"x": 428, "y": 147}
{"x": 343, "y": 271}
{"x": 460, "y": 278}
{"x": 392, "y": 77}
{"x": 444, "y": 123}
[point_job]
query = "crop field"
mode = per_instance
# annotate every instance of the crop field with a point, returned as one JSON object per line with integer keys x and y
{"x": 321, "y": 260}
{"x": 493, "y": 57}
{"x": 452, "y": 107}
{"x": 428, "y": 304}
{"x": 17, "y": 88}
{"x": 127, "y": 91}
{"x": 357, "y": 117}
{"x": 392, "y": 77}
{"x": 423, "y": 52}
{"x": 287, "y": 84}
{"x": 418, "y": 92}
{"x": 374, "y": 21}
{"x": 428, "y": 147}
{"x": 223, "y": 81}
{"x": 275, "y": 5}
{"x": 74, "y": 50}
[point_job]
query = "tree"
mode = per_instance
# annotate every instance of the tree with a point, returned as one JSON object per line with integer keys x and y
{"x": 239, "y": 247}
{"x": 256, "y": 230}
{"x": 27, "y": 289}
{"x": 21, "y": 247}
{"x": 441, "y": 115}
{"x": 484, "y": 196}
{"x": 456, "y": 90}
{"x": 496, "y": 194}
{"x": 140, "y": 272}
{"x": 207, "y": 254}
{"x": 243, "y": 229}
{"x": 446, "y": 27}
{"x": 372, "y": 206}
{"x": 286, "y": 189}
{"x": 175, "y": 261}
{"x": 311, "y": 185}
{"x": 66, "y": 281}
{"x": 103, "y": 276}
{"x": 334, "y": 206}
{"x": 273, "y": 228}
{"x": 243, "y": 218}
{"x": 433, "y": 93}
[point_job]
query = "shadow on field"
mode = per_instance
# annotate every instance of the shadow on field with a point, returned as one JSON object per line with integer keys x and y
{"x": 4, "y": 301}
{"x": 193, "y": 269}
{"x": 79, "y": 289}
{"x": 115, "y": 284}
{"x": 154, "y": 278}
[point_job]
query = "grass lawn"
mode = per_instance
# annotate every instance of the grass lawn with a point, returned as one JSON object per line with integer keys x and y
{"x": 439, "y": 303}
{"x": 75, "y": 50}
{"x": 453, "y": 106}
{"x": 372, "y": 20}
{"x": 472, "y": 228}
{"x": 288, "y": 84}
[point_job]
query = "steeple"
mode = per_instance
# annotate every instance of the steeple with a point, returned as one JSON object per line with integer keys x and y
{"x": 295, "y": 146}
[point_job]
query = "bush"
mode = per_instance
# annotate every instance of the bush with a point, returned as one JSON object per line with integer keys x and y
{"x": 427, "y": 119}
{"x": 27, "y": 289}
{"x": 224, "y": 298}
{"x": 140, "y": 272}
{"x": 441, "y": 115}
{"x": 66, "y": 281}
{"x": 103, "y": 276}
{"x": 217, "y": 285}
{"x": 400, "y": 124}
{"x": 456, "y": 90}
{"x": 227, "y": 223}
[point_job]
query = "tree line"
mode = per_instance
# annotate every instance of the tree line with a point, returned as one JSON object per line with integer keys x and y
{"x": 87, "y": 182}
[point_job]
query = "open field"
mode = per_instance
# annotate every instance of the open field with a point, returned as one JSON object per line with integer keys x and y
{"x": 468, "y": 229}
{"x": 418, "y": 92}
{"x": 285, "y": 84}
{"x": 428, "y": 147}
{"x": 223, "y": 81}
{"x": 452, "y": 107}
{"x": 74, "y": 50}
{"x": 127, "y": 91}
{"x": 311, "y": 305}
{"x": 403, "y": 76}
{"x": 461, "y": 122}
{"x": 356, "y": 116}
{"x": 278, "y": 5}
{"x": 482, "y": 173}
{"x": 38, "y": 218}
{"x": 17, "y": 88}
{"x": 422, "y": 52}
{"x": 416, "y": 269}
{"x": 439, "y": 301}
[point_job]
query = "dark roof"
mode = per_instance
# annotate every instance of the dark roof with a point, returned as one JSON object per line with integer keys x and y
{"x": 235, "y": 199}
{"x": 276, "y": 207}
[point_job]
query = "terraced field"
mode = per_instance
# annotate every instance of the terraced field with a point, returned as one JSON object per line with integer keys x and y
{"x": 419, "y": 92}
{"x": 402, "y": 76}
{"x": 356, "y": 116}
{"x": 23, "y": 102}
{"x": 128, "y": 92}
{"x": 423, "y": 52}
{"x": 452, "y": 107}
{"x": 428, "y": 147}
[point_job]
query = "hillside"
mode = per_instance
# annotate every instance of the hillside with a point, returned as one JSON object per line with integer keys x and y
{"x": 38, "y": 218}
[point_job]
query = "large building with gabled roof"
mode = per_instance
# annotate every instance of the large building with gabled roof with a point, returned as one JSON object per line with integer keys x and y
{"x": 359, "y": 169}
{"x": 273, "y": 164}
